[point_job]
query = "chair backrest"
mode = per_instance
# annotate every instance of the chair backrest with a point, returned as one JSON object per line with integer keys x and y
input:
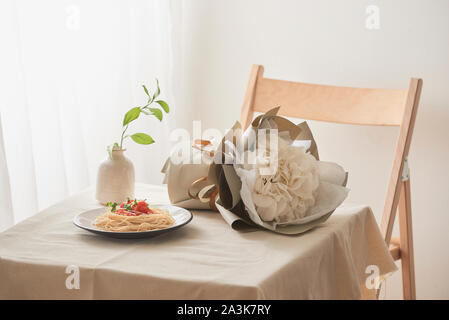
{"x": 383, "y": 107}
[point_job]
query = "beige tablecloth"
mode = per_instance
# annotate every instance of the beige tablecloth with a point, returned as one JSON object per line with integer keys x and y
{"x": 204, "y": 260}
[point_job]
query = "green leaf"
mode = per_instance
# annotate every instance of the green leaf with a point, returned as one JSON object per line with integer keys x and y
{"x": 158, "y": 90}
{"x": 146, "y": 112}
{"x": 112, "y": 205}
{"x": 157, "y": 113}
{"x": 164, "y": 105}
{"x": 142, "y": 138}
{"x": 146, "y": 91}
{"x": 111, "y": 148}
{"x": 131, "y": 115}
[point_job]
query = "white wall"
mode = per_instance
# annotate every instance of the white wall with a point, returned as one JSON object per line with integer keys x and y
{"x": 326, "y": 42}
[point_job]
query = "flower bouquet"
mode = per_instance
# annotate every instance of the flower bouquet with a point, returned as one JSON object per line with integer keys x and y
{"x": 270, "y": 176}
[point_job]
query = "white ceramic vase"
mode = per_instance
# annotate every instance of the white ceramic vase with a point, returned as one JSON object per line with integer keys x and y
{"x": 115, "y": 180}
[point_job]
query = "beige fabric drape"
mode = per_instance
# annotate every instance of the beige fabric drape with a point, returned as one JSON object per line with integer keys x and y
{"x": 206, "y": 259}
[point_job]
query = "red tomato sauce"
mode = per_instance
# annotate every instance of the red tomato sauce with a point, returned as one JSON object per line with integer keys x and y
{"x": 136, "y": 209}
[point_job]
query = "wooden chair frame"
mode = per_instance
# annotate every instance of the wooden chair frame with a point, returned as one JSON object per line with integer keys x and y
{"x": 382, "y": 107}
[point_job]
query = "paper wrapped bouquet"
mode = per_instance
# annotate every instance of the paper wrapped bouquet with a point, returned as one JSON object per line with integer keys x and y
{"x": 269, "y": 176}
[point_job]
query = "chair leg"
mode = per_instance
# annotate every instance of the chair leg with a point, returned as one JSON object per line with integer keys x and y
{"x": 406, "y": 242}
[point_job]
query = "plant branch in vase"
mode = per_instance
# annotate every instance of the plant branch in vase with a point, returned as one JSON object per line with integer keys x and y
{"x": 115, "y": 180}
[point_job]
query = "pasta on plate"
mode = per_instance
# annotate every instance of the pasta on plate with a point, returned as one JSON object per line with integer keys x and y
{"x": 133, "y": 216}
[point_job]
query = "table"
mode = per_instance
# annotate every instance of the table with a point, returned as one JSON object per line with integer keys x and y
{"x": 206, "y": 259}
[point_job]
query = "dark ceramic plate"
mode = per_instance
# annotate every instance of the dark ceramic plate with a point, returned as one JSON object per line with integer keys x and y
{"x": 85, "y": 221}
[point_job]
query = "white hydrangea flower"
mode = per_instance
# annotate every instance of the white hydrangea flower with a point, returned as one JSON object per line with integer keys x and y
{"x": 289, "y": 190}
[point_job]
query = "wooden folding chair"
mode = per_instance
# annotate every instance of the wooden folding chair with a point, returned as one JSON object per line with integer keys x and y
{"x": 380, "y": 107}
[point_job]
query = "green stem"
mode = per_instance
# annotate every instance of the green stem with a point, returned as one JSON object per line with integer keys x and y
{"x": 121, "y": 139}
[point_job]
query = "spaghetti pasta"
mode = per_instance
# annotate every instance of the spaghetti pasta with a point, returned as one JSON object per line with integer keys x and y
{"x": 112, "y": 221}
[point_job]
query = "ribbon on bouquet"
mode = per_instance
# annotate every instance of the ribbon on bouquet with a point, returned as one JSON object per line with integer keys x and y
{"x": 207, "y": 192}
{"x": 199, "y": 144}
